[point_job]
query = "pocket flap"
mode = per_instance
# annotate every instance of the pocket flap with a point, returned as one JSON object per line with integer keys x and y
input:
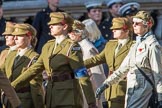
{"x": 69, "y": 84}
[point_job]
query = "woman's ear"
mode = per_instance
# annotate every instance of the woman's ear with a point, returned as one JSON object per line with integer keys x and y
{"x": 30, "y": 38}
{"x": 65, "y": 27}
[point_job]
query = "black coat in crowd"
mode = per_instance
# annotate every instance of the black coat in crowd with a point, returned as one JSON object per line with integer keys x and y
{"x": 2, "y": 29}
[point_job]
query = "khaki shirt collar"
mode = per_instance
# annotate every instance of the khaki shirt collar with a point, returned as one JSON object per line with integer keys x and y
{"x": 23, "y": 51}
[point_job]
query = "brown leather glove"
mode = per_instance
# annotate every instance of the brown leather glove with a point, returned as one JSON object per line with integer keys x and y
{"x": 92, "y": 105}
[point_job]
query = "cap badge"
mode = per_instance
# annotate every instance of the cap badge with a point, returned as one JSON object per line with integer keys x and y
{"x": 16, "y": 30}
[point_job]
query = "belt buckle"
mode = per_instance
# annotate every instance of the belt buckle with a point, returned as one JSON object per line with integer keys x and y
{"x": 50, "y": 78}
{"x": 55, "y": 78}
{"x": 65, "y": 77}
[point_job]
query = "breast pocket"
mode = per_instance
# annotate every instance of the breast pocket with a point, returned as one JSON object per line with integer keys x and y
{"x": 143, "y": 60}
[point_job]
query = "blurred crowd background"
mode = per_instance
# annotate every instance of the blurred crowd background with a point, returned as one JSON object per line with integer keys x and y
{"x": 25, "y": 10}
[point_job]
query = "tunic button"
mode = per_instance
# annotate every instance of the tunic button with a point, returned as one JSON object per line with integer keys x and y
{"x": 106, "y": 35}
{"x": 103, "y": 27}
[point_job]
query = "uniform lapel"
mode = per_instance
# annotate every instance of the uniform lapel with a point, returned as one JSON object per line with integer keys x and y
{"x": 10, "y": 63}
{"x": 113, "y": 51}
{"x": 51, "y": 49}
{"x": 59, "y": 48}
{"x": 123, "y": 49}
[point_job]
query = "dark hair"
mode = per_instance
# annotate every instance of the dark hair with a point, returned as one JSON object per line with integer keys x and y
{"x": 154, "y": 14}
{"x": 110, "y": 6}
{"x": 68, "y": 20}
{"x": 1, "y": 2}
{"x": 130, "y": 12}
{"x": 93, "y": 7}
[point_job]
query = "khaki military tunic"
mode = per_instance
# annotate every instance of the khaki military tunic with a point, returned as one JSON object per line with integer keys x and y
{"x": 30, "y": 94}
{"x": 3, "y": 55}
{"x": 5, "y": 52}
{"x": 63, "y": 60}
{"x": 116, "y": 93}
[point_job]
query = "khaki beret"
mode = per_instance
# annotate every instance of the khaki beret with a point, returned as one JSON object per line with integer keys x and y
{"x": 60, "y": 17}
{"x": 78, "y": 25}
{"x": 143, "y": 15}
{"x": 23, "y": 28}
{"x": 9, "y": 28}
{"x": 56, "y": 17}
{"x": 121, "y": 23}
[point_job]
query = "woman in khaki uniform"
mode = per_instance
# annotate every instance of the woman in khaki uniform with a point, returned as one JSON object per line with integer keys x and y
{"x": 63, "y": 62}
{"x": 10, "y": 42}
{"x": 31, "y": 94}
{"x": 113, "y": 56}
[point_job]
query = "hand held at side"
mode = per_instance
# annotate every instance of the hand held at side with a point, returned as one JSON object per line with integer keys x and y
{"x": 100, "y": 90}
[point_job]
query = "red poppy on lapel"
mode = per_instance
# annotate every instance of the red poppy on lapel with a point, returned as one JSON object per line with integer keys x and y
{"x": 140, "y": 49}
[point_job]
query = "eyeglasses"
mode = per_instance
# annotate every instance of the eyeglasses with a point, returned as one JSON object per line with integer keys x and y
{"x": 76, "y": 31}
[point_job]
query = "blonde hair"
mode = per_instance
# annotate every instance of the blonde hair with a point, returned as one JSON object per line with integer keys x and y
{"x": 33, "y": 34}
{"x": 91, "y": 27}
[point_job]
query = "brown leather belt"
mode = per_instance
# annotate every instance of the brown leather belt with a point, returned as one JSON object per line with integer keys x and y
{"x": 61, "y": 77}
{"x": 23, "y": 90}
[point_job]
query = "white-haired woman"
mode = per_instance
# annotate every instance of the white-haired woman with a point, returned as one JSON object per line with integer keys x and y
{"x": 96, "y": 38}
{"x": 94, "y": 34}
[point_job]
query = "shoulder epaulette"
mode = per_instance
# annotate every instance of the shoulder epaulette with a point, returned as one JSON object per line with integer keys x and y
{"x": 7, "y": 48}
{"x": 51, "y": 41}
{"x": 71, "y": 41}
{"x": 134, "y": 41}
{"x": 151, "y": 40}
{"x": 113, "y": 40}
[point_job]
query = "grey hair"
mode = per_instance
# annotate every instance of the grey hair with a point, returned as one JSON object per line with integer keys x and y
{"x": 91, "y": 27}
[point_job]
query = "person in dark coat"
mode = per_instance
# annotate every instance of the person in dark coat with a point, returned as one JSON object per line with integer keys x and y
{"x": 113, "y": 7}
{"x": 41, "y": 24}
{"x": 94, "y": 12}
{"x": 2, "y": 28}
{"x": 129, "y": 10}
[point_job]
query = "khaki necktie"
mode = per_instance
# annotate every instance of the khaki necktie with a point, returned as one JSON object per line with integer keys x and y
{"x": 118, "y": 48}
{"x": 16, "y": 59}
{"x": 56, "y": 46}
